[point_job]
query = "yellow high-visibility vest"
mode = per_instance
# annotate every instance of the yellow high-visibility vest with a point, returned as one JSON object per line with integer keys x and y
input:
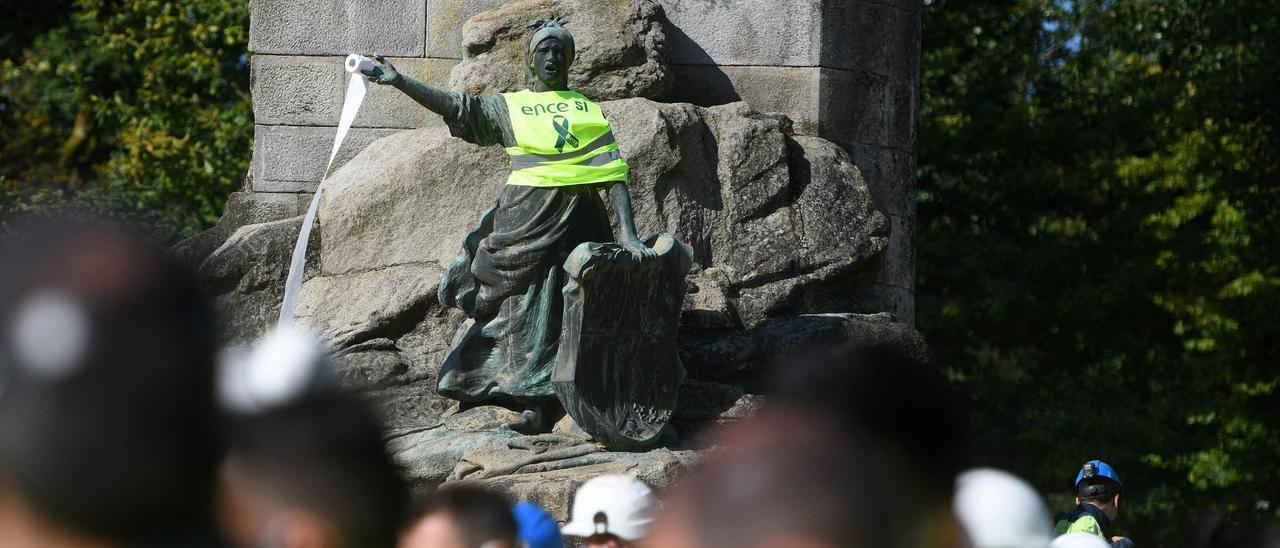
{"x": 562, "y": 139}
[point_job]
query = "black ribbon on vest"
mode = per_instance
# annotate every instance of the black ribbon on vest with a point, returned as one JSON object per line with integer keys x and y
{"x": 562, "y": 129}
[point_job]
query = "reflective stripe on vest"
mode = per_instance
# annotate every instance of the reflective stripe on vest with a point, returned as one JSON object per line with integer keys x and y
{"x": 562, "y": 138}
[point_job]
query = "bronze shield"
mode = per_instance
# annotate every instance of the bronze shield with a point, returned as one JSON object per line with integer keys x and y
{"x": 618, "y": 368}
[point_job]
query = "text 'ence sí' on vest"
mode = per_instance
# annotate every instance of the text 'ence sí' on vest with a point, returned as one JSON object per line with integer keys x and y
{"x": 562, "y": 139}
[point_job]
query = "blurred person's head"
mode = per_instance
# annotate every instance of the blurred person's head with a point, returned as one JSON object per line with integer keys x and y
{"x": 612, "y": 511}
{"x": 535, "y": 528}
{"x": 311, "y": 473}
{"x": 461, "y": 516}
{"x": 892, "y": 399}
{"x": 805, "y": 492}
{"x": 107, "y": 415}
{"x": 999, "y": 510}
{"x": 1098, "y": 484}
{"x": 889, "y": 396}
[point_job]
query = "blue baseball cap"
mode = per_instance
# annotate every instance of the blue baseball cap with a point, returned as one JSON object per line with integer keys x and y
{"x": 535, "y": 527}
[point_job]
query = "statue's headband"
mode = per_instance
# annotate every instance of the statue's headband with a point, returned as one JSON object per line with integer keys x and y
{"x": 549, "y": 28}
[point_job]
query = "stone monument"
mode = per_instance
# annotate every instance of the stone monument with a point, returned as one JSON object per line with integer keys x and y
{"x": 510, "y": 277}
{"x": 775, "y": 138}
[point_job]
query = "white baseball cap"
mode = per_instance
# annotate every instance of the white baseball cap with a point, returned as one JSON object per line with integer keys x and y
{"x": 622, "y": 506}
{"x": 1079, "y": 540}
{"x": 998, "y": 510}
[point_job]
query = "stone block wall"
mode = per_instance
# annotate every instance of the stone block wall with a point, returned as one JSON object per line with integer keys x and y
{"x": 844, "y": 70}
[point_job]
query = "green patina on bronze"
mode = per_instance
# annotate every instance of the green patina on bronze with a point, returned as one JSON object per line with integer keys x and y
{"x": 510, "y": 278}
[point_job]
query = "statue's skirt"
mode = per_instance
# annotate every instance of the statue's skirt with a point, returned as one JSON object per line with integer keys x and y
{"x": 509, "y": 281}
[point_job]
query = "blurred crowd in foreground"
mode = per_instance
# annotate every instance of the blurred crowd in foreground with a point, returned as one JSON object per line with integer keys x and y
{"x": 120, "y": 426}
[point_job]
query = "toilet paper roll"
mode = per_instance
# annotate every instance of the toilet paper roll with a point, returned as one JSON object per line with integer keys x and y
{"x": 355, "y": 62}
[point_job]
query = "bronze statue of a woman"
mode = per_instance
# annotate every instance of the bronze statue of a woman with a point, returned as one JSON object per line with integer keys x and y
{"x": 509, "y": 278}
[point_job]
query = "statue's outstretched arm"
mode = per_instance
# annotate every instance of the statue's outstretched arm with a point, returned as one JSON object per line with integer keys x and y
{"x": 435, "y": 99}
{"x": 620, "y": 199}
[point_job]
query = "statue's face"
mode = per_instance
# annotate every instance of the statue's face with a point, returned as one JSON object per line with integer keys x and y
{"x": 549, "y": 63}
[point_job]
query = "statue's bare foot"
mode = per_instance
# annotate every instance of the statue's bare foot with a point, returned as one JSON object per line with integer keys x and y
{"x": 536, "y": 419}
{"x": 528, "y": 422}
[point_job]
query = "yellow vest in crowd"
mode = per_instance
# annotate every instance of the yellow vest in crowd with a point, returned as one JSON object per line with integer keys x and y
{"x": 562, "y": 139}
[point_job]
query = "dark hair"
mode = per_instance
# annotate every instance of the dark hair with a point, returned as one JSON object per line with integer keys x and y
{"x": 120, "y": 442}
{"x": 324, "y": 453}
{"x": 890, "y": 395}
{"x": 479, "y": 514}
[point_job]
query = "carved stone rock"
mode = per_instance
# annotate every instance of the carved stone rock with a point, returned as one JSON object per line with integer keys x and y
{"x": 778, "y": 224}
{"x": 397, "y": 208}
{"x": 546, "y": 469}
{"x": 621, "y": 48}
{"x": 246, "y": 273}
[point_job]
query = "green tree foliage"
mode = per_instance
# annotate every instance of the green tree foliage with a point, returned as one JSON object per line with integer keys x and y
{"x": 1099, "y": 252}
{"x": 134, "y": 105}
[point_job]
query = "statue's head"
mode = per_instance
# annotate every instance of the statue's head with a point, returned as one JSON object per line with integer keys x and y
{"x": 548, "y": 53}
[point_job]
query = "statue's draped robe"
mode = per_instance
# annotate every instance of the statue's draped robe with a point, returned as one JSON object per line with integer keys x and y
{"x": 510, "y": 276}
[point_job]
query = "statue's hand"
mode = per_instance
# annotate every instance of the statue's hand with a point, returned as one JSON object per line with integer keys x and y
{"x": 384, "y": 73}
{"x": 637, "y": 249}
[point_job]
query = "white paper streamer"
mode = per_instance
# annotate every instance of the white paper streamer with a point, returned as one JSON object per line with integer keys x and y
{"x": 350, "y": 106}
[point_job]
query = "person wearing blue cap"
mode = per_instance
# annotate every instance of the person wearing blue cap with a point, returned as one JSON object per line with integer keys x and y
{"x": 1098, "y": 491}
{"x": 535, "y": 528}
